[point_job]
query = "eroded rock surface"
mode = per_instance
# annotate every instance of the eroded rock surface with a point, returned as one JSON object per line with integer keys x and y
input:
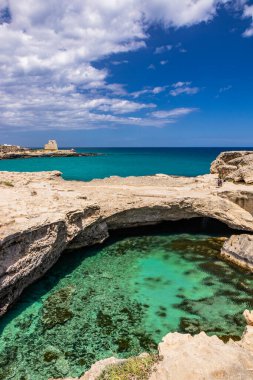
{"x": 41, "y": 215}
{"x": 234, "y": 166}
{"x": 239, "y": 250}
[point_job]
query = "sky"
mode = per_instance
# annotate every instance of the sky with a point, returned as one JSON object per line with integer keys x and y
{"x": 126, "y": 73}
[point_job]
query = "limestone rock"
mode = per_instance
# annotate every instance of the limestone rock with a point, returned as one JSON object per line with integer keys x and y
{"x": 239, "y": 250}
{"x": 247, "y": 340}
{"x": 186, "y": 357}
{"x": 41, "y": 215}
{"x": 248, "y": 315}
{"x": 234, "y": 166}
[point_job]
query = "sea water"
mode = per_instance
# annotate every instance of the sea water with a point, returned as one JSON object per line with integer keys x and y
{"x": 122, "y": 162}
{"x": 120, "y": 299}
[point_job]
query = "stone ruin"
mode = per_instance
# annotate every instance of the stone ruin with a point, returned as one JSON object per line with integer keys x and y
{"x": 51, "y": 145}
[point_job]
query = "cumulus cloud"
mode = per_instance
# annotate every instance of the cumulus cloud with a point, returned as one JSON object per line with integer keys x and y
{"x": 49, "y": 50}
{"x": 180, "y": 88}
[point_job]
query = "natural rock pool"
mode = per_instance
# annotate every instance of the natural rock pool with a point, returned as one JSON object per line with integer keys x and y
{"x": 120, "y": 299}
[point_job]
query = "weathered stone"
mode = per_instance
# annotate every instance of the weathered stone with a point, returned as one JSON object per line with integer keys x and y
{"x": 239, "y": 250}
{"x": 41, "y": 215}
{"x": 248, "y": 315}
{"x": 186, "y": 357}
{"x": 234, "y": 166}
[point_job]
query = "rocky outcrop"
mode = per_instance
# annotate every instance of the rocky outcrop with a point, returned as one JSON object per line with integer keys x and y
{"x": 41, "y": 215}
{"x": 33, "y": 153}
{"x": 199, "y": 357}
{"x": 186, "y": 357}
{"x": 234, "y": 166}
{"x": 239, "y": 250}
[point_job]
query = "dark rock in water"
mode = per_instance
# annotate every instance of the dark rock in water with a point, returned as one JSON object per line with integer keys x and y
{"x": 146, "y": 341}
{"x": 105, "y": 322}
{"x": 123, "y": 343}
{"x": 226, "y": 338}
{"x": 209, "y": 246}
{"x": 189, "y": 325}
{"x": 51, "y": 354}
{"x": 56, "y": 309}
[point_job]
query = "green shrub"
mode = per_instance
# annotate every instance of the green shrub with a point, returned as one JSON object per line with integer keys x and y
{"x": 139, "y": 368}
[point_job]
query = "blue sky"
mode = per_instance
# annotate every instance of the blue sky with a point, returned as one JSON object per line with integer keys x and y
{"x": 126, "y": 73}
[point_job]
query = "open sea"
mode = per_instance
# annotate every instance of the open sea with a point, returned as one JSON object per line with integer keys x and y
{"x": 123, "y": 162}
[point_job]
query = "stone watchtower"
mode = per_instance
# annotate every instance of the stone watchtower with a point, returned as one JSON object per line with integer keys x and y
{"x": 51, "y": 145}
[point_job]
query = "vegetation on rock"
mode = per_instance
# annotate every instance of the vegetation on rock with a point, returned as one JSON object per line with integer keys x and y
{"x": 138, "y": 368}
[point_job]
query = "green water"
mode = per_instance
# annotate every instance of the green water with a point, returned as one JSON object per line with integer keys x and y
{"x": 121, "y": 299}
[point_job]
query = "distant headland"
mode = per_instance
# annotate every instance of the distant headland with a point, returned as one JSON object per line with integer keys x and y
{"x": 50, "y": 150}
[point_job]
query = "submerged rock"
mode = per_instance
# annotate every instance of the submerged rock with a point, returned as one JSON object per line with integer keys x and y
{"x": 56, "y": 309}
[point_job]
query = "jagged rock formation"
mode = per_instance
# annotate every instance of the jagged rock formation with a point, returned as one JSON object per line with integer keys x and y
{"x": 239, "y": 250}
{"x": 199, "y": 357}
{"x": 41, "y": 215}
{"x": 234, "y": 166}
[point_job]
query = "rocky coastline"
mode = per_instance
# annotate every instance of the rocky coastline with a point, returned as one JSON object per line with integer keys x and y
{"x": 33, "y": 153}
{"x": 42, "y": 215}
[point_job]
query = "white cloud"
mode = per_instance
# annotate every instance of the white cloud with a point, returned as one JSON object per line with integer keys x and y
{"x": 148, "y": 90}
{"x": 151, "y": 67}
{"x": 164, "y": 62}
{"x": 248, "y": 13}
{"x": 174, "y": 113}
{"x": 224, "y": 89}
{"x": 163, "y": 49}
{"x": 116, "y": 63}
{"x": 48, "y": 53}
{"x": 180, "y": 88}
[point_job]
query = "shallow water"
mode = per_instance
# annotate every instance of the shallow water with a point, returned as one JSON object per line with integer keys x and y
{"x": 121, "y": 299}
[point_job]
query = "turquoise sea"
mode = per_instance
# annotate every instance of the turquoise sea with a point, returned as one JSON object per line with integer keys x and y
{"x": 123, "y": 162}
{"x": 120, "y": 299}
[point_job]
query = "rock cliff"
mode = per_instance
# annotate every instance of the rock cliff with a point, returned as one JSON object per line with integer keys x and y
{"x": 41, "y": 215}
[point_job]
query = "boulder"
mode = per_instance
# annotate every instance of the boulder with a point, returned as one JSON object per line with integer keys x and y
{"x": 239, "y": 250}
{"x": 234, "y": 166}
